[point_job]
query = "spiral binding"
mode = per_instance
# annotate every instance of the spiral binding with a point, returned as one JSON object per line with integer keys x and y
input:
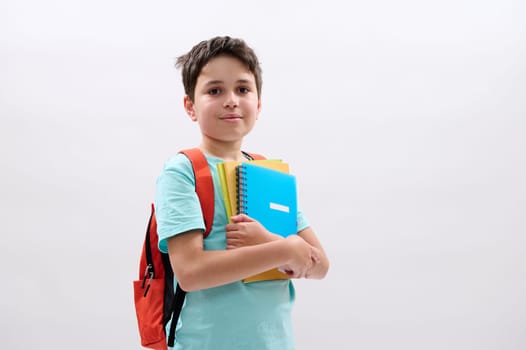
{"x": 242, "y": 203}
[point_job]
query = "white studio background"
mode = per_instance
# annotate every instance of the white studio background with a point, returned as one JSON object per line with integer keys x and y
{"x": 403, "y": 121}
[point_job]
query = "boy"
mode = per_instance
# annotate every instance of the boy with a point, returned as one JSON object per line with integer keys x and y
{"x": 222, "y": 81}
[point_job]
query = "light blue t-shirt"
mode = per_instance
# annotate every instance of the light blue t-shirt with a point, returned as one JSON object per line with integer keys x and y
{"x": 232, "y": 316}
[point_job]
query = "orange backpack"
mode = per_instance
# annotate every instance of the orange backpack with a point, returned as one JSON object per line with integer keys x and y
{"x": 156, "y": 302}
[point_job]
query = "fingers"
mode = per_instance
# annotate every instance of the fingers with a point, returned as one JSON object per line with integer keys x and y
{"x": 233, "y": 241}
{"x": 232, "y": 234}
{"x": 231, "y": 227}
{"x": 241, "y": 218}
{"x": 304, "y": 268}
{"x": 315, "y": 259}
{"x": 231, "y": 246}
{"x": 236, "y": 226}
{"x": 298, "y": 272}
{"x": 315, "y": 256}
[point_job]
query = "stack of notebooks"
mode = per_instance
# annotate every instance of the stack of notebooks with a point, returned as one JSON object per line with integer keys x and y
{"x": 265, "y": 191}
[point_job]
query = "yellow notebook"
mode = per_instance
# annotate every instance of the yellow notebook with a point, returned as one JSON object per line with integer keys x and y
{"x": 224, "y": 189}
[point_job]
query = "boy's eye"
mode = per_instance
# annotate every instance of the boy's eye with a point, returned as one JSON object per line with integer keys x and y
{"x": 214, "y": 91}
{"x": 243, "y": 90}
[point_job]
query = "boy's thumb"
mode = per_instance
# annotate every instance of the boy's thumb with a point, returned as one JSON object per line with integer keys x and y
{"x": 241, "y": 218}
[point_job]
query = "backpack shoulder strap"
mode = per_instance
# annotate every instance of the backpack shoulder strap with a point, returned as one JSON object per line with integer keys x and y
{"x": 204, "y": 185}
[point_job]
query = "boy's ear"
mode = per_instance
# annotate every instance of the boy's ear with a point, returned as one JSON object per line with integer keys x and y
{"x": 189, "y": 107}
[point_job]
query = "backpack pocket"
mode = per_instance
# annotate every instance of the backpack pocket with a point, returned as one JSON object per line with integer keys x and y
{"x": 149, "y": 304}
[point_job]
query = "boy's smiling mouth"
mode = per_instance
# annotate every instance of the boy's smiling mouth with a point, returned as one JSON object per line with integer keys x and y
{"x": 231, "y": 117}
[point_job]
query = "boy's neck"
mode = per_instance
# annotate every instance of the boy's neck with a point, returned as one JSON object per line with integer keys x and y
{"x": 225, "y": 151}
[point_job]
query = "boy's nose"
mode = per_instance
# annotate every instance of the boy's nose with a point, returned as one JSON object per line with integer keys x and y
{"x": 231, "y": 100}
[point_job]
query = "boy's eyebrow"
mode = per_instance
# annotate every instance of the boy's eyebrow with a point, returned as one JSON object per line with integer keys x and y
{"x": 242, "y": 81}
{"x": 213, "y": 82}
{"x": 245, "y": 81}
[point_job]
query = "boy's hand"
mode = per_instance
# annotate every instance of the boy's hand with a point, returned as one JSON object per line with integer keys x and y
{"x": 303, "y": 257}
{"x": 245, "y": 231}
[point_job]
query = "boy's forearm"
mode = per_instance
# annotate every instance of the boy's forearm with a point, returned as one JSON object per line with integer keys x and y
{"x": 212, "y": 268}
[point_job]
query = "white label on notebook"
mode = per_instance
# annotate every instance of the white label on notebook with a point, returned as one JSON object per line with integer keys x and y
{"x": 279, "y": 207}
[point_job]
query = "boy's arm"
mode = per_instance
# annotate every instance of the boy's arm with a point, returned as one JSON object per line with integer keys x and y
{"x": 246, "y": 231}
{"x": 197, "y": 269}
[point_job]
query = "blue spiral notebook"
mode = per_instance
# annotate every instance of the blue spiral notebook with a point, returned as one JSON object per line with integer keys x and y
{"x": 268, "y": 196}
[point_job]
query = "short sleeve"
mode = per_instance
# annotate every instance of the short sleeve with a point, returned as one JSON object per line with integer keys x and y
{"x": 177, "y": 207}
{"x": 303, "y": 222}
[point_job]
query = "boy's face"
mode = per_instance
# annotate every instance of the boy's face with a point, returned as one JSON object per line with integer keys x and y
{"x": 226, "y": 103}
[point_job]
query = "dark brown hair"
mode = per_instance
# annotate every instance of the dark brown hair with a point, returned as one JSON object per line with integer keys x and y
{"x": 192, "y": 62}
